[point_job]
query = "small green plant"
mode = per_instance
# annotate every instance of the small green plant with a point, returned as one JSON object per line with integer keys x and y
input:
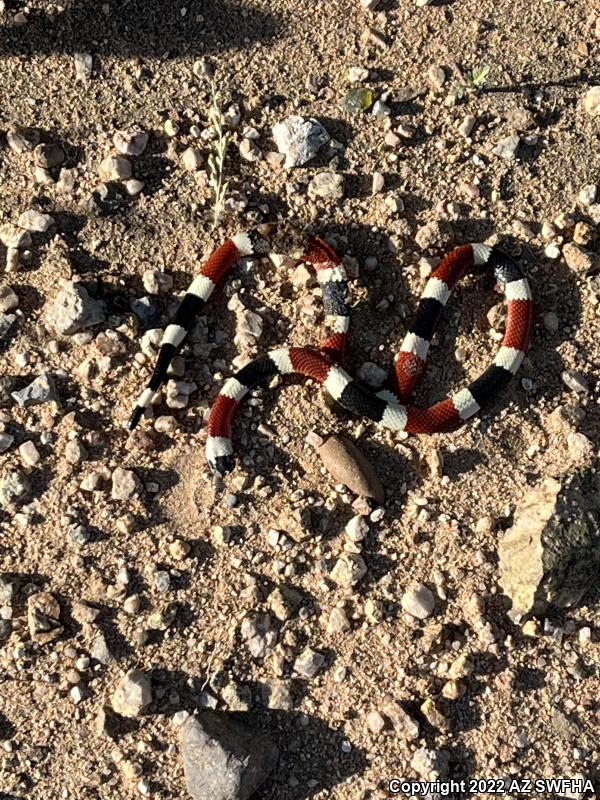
{"x": 216, "y": 160}
{"x": 470, "y": 81}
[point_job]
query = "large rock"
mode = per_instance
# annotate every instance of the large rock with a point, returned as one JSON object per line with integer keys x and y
{"x": 551, "y": 555}
{"x": 299, "y": 139}
{"x": 73, "y": 310}
{"x": 349, "y": 466}
{"x": 223, "y": 759}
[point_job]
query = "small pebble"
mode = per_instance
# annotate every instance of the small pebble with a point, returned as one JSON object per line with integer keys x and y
{"x": 551, "y": 322}
{"x": 375, "y": 722}
{"x": 591, "y": 101}
{"x": 83, "y": 66}
{"x": 308, "y": 663}
{"x": 466, "y": 126}
{"x": 171, "y": 128}
{"x": 507, "y": 147}
{"x": 552, "y": 251}
{"x": 130, "y": 142}
{"x": 192, "y": 159}
{"x": 133, "y": 693}
{"x": 8, "y": 299}
{"x": 437, "y": 76}
{"x": 35, "y": 222}
{"x": 77, "y": 694}
{"x": 6, "y": 441}
{"x": 418, "y": 601}
{"x": 29, "y": 453}
{"x": 115, "y": 168}
{"x": 587, "y": 195}
{"x": 378, "y": 183}
{"x": 575, "y": 381}
{"x": 356, "y": 529}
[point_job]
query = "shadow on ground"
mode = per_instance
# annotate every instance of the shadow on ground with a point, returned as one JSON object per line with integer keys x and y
{"x": 313, "y": 757}
{"x": 135, "y": 27}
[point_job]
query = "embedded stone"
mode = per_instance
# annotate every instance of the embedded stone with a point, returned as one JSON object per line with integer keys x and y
{"x": 348, "y": 465}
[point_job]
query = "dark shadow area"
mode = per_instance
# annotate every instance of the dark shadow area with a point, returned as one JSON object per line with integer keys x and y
{"x": 311, "y": 757}
{"x": 461, "y": 461}
{"x": 311, "y": 753}
{"x": 529, "y": 679}
{"x": 7, "y": 727}
{"x": 137, "y": 27}
{"x": 462, "y": 765}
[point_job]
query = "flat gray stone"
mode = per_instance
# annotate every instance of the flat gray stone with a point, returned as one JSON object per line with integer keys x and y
{"x": 299, "y": 139}
{"x": 223, "y": 759}
{"x": 14, "y": 486}
{"x": 6, "y": 323}
{"x": 41, "y": 390}
{"x": 507, "y": 147}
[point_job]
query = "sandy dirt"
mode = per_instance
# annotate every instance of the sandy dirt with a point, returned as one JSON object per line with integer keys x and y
{"x": 530, "y": 707}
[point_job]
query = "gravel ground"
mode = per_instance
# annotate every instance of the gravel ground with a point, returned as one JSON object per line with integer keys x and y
{"x": 134, "y": 526}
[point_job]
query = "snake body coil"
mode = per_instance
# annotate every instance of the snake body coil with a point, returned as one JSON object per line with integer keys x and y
{"x": 389, "y": 407}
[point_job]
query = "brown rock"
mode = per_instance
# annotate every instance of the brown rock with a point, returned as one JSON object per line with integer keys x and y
{"x": 84, "y": 613}
{"x": 348, "y": 465}
{"x": 433, "y": 715}
{"x": 400, "y": 719}
{"x": 577, "y": 258}
{"x": 583, "y": 234}
{"x": 43, "y": 617}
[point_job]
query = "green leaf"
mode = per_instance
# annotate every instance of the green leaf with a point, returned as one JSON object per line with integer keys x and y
{"x": 457, "y": 90}
{"x": 479, "y": 75}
